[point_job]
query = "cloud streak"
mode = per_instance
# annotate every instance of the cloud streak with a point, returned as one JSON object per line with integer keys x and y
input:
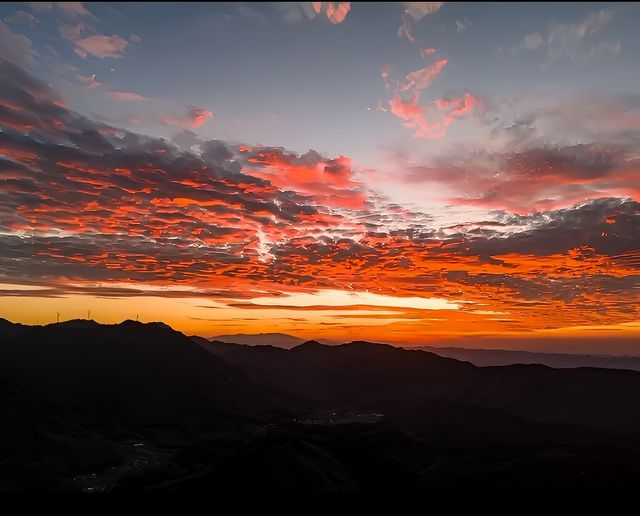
{"x": 127, "y": 96}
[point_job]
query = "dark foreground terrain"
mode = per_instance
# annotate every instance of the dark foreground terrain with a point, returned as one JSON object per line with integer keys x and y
{"x": 130, "y": 407}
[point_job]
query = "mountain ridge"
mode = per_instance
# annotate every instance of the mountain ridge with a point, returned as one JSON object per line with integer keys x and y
{"x": 483, "y": 357}
{"x": 134, "y": 406}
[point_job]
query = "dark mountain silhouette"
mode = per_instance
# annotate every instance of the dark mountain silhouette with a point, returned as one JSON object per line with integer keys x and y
{"x": 410, "y": 385}
{"x": 278, "y": 340}
{"x": 40, "y": 449}
{"x": 214, "y": 346}
{"x": 8, "y": 328}
{"x": 134, "y": 406}
{"x": 500, "y": 357}
{"x": 132, "y": 377}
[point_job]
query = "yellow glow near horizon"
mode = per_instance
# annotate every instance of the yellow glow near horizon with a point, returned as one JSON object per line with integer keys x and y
{"x": 18, "y": 286}
{"x": 188, "y": 314}
{"x": 347, "y": 298}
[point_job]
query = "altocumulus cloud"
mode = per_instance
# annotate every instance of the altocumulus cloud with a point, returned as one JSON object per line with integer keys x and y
{"x": 87, "y": 207}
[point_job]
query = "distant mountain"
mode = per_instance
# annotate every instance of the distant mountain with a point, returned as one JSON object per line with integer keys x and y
{"x": 215, "y": 346}
{"x": 425, "y": 392}
{"x": 278, "y": 340}
{"x": 501, "y": 357}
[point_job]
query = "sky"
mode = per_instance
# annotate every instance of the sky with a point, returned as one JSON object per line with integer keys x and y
{"x": 411, "y": 172}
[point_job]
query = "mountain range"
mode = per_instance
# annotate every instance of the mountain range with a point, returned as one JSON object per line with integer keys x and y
{"x": 479, "y": 357}
{"x": 500, "y": 357}
{"x": 133, "y": 406}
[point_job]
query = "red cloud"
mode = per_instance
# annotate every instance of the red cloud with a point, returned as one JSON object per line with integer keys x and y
{"x": 336, "y": 12}
{"x": 195, "y": 118}
{"x": 328, "y": 181}
{"x": 414, "y": 116}
{"x": 409, "y": 110}
{"x": 422, "y": 78}
{"x": 457, "y": 106}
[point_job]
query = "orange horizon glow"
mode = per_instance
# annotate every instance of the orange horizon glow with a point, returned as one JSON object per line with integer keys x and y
{"x": 468, "y": 326}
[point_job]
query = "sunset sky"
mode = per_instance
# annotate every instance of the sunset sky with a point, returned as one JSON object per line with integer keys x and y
{"x": 413, "y": 173}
